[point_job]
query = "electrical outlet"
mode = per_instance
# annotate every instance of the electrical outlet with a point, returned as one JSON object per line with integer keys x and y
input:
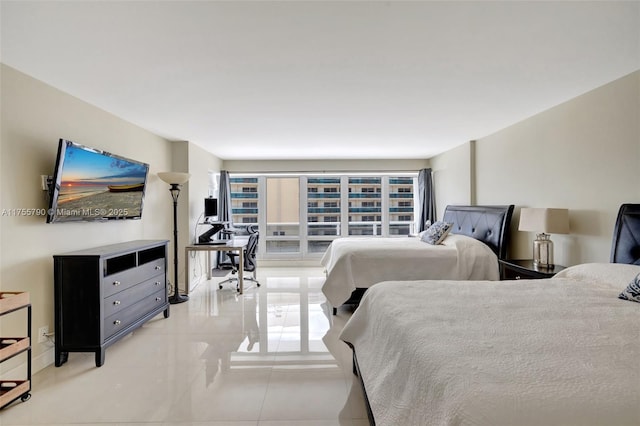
{"x": 42, "y": 334}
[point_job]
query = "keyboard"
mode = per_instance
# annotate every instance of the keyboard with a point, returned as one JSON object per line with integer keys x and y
{"x": 213, "y": 243}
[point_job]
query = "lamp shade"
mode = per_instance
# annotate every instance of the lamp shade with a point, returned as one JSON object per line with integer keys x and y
{"x": 548, "y": 221}
{"x": 177, "y": 178}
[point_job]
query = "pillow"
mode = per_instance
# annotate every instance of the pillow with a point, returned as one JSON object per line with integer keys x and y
{"x": 427, "y": 225}
{"x": 604, "y": 275}
{"x": 436, "y": 232}
{"x": 632, "y": 292}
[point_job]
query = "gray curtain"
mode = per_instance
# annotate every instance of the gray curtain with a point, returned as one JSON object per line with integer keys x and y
{"x": 224, "y": 197}
{"x": 224, "y": 212}
{"x": 426, "y": 199}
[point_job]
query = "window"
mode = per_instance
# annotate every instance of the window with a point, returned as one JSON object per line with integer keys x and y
{"x": 299, "y": 216}
{"x": 283, "y": 214}
{"x": 324, "y": 191}
{"x": 364, "y": 194}
{"x": 244, "y": 200}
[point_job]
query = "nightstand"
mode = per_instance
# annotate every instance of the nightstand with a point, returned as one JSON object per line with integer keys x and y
{"x": 516, "y": 269}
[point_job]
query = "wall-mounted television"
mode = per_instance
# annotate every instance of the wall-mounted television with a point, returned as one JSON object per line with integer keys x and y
{"x": 93, "y": 185}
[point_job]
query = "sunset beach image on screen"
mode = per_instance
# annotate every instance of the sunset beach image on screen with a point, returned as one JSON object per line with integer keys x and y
{"x": 96, "y": 185}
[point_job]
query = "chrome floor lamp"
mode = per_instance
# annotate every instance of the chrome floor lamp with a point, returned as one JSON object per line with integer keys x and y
{"x": 175, "y": 179}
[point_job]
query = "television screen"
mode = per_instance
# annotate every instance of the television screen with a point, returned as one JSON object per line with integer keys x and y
{"x": 89, "y": 184}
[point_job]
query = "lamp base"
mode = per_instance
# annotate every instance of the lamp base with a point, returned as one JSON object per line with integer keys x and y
{"x": 178, "y": 298}
{"x": 543, "y": 251}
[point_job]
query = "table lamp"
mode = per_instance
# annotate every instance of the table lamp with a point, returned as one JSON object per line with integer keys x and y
{"x": 544, "y": 222}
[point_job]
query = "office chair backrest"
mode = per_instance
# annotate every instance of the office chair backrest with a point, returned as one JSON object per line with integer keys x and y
{"x": 250, "y": 252}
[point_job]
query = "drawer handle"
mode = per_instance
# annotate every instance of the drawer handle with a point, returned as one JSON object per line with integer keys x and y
{"x": 116, "y": 302}
{"x": 157, "y": 268}
{"x": 158, "y": 299}
{"x": 116, "y": 322}
{"x": 116, "y": 283}
{"x": 157, "y": 282}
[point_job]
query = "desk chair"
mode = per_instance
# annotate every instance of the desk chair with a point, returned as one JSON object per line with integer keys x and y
{"x": 250, "y": 263}
{"x": 230, "y": 230}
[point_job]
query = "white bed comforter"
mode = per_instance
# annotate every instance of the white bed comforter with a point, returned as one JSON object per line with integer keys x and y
{"x": 562, "y": 351}
{"x": 364, "y": 261}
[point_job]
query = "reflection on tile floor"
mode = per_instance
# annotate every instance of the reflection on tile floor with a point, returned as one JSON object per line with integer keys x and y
{"x": 269, "y": 357}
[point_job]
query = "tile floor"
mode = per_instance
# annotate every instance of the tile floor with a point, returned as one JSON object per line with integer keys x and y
{"x": 269, "y": 357}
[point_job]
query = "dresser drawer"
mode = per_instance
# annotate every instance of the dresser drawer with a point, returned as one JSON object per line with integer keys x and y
{"x": 121, "y": 281}
{"x": 153, "y": 268}
{"x": 122, "y": 319}
{"x": 128, "y": 297}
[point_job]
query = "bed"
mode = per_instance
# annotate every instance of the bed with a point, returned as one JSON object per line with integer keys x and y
{"x": 558, "y": 351}
{"x": 478, "y": 237}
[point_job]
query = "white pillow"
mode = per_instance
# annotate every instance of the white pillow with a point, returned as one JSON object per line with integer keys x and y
{"x": 615, "y": 275}
{"x": 427, "y": 225}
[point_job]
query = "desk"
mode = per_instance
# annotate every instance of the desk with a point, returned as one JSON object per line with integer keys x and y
{"x": 236, "y": 244}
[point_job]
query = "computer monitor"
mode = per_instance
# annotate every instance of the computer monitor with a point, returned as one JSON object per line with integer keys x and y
{"x": 210, "y": 207}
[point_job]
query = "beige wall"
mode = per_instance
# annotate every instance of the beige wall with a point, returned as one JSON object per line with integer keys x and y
{"x": 200, "y": 164}
{"x": 33, "y": 117}
{"x": 452, "y": 177}
{"x": 583, "y": 155}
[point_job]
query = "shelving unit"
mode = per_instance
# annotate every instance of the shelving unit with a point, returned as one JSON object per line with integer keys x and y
{"x": 11, "y": 390}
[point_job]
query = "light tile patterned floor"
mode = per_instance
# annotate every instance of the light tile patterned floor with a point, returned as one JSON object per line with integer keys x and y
{"x": 270, "y": 357}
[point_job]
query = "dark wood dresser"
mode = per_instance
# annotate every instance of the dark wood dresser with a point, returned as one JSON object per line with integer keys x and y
{"x": 104, "y": 293}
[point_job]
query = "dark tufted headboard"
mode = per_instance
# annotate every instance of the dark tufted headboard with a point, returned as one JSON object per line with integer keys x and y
{"x": 626, "y": 235}
{"x": 489, "y": 224}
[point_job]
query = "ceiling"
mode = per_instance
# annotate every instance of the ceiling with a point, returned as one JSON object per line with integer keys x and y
{"x": 322, "y": 80}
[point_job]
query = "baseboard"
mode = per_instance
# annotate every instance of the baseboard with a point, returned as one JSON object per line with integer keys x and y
{"x": 43, "y": 360}
{"x": 38, "y": 363}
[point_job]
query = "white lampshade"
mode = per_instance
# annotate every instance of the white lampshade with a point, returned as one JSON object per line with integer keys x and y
{"x": 548, "y": 221}
{"x": 177, "y": 178}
